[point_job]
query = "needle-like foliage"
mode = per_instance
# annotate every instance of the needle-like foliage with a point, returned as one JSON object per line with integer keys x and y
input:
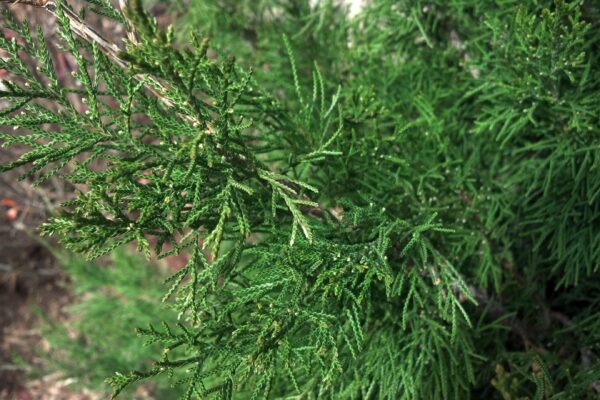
{"x": 400, "y": 204}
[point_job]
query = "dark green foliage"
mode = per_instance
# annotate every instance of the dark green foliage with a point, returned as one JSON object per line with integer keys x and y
{"x": 403, "y": 204}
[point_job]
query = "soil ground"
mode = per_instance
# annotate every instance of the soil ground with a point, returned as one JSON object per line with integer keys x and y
{"x": 31, "y": 282}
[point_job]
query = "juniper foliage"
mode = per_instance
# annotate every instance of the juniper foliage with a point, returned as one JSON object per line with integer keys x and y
{"x": 402, "y": 204}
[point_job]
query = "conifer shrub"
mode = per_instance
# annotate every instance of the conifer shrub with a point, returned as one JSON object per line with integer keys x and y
{"x": 401, "y": 204}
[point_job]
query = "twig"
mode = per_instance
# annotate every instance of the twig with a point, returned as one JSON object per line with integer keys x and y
{"x": 6, "y": 267}
{"x": 77, "y": 25}
{"x": 497, "y": 310}
{"x": 585, "y": 352}
{"x": 11, "y": 367}
{"x": 35, "y": 3}
{"x": 81, "y": 29}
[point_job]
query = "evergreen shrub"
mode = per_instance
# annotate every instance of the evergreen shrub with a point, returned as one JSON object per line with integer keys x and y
{"x": 400, "y": 204}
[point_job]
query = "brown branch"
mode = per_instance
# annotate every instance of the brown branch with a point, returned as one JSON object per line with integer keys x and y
{"x": 81, "y": 29}
{"x": 35, "y": 3}
{"x": 585, "y": 352}
{"x": 497, "y": 310}
{"x": 78, "y": 26}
